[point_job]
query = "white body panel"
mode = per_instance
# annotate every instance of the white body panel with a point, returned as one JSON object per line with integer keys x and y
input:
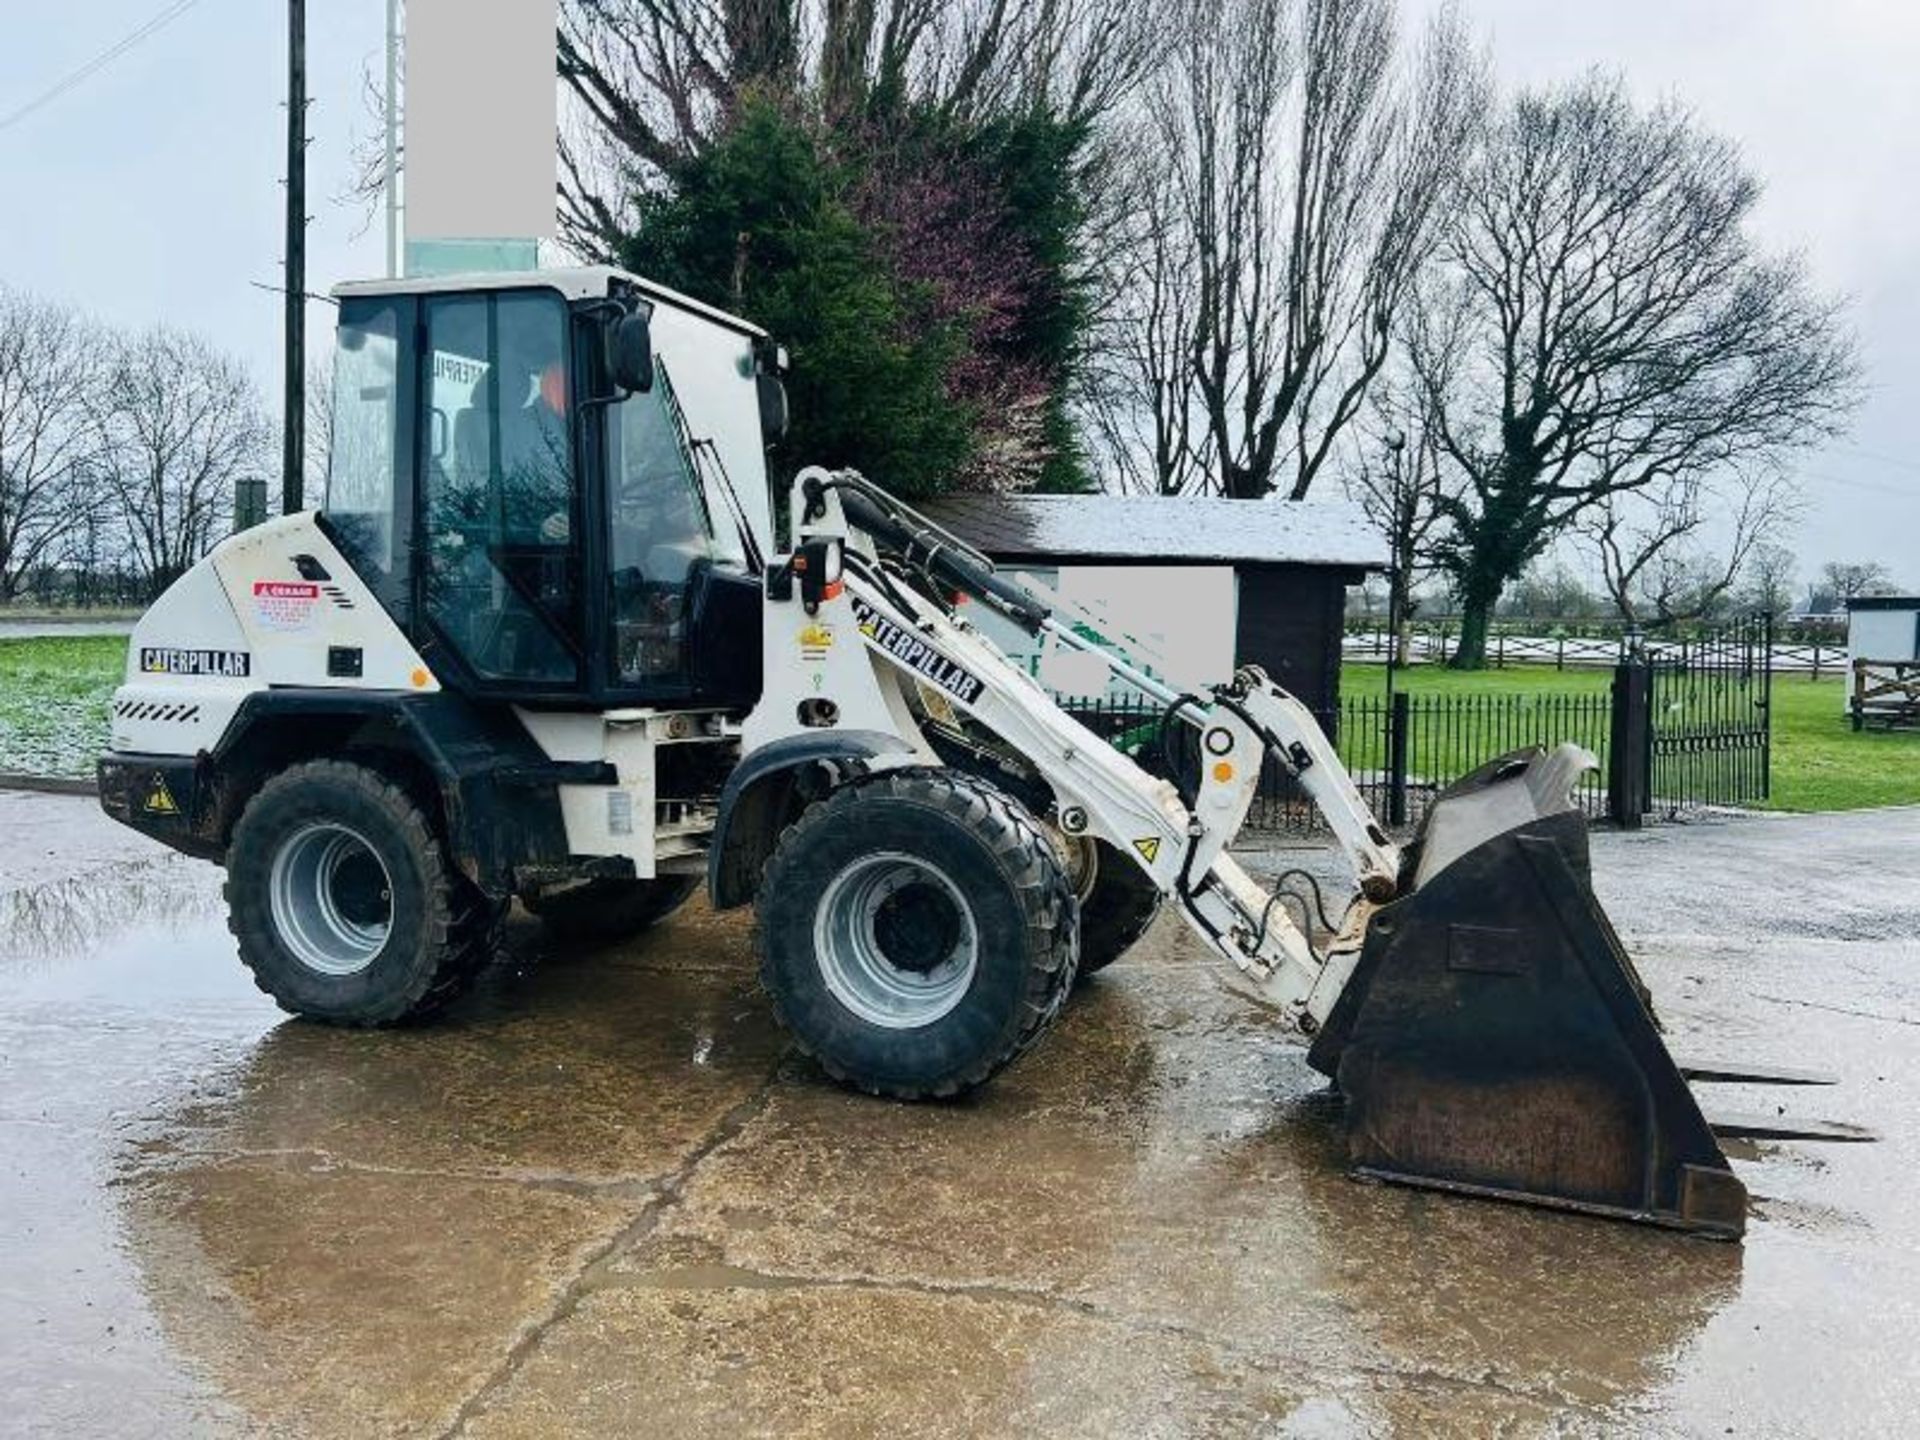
{"x": 291, "y": 623}
{"x": 627, "y": 818}
{"x": 188, "y": 668}
{"x": 244, "y": 619}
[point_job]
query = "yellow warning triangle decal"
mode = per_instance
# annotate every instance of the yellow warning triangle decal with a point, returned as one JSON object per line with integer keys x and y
{"x": 1149, "y": 848}
{"x": 160, "y": 799}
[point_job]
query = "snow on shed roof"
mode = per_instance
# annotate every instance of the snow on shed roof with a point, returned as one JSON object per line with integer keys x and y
{"x": 1163, "y": 528}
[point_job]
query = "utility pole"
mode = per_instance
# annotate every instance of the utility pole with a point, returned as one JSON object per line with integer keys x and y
{"x": 294, "y": 423}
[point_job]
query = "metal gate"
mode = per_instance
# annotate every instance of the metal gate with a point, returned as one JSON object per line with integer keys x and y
{"x": 1709, "y": 718}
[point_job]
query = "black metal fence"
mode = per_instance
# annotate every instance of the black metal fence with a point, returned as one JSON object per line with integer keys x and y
{"x": 1401, "y": 750}
{"x": 1683, "y": 726}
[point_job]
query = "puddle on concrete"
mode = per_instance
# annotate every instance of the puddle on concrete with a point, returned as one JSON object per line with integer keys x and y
{"x": 119, "y": 996}
{"x": 230, "y": 1221}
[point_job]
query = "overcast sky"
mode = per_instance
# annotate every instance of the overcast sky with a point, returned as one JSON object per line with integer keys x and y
{"x": 150, "y": 191}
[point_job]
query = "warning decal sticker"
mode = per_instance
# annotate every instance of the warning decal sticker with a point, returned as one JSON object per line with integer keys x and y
{"x": 159, "y": 799}
{"x": 284, "y": 604}
{"x": 815, "y": 641}
{"x": 1149, "y": 848}
{"x": 916, "y": 654}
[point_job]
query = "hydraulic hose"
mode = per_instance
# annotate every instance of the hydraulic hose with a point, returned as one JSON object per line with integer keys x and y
{"x": 941, "y": 558}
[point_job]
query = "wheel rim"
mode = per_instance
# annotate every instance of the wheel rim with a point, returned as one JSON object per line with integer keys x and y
{"x": 1080, "y": 857}
{"x": 331, "y": 898}
{"x": 896, "y": 941}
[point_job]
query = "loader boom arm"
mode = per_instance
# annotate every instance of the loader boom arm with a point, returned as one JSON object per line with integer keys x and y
{"x": 915, "y": 647}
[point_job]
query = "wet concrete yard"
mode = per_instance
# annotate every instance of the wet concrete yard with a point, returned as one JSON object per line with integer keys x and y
{"x": 600, "y": 1197}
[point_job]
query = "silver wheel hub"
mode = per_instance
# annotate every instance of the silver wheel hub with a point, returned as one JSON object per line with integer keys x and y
{"x": 331, "y": 898}
{"x": 896, "y": 941}
{"x": 1080, "y": 857}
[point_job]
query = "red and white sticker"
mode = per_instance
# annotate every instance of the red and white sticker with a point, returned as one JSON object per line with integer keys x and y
{"x": 285, "y": 604}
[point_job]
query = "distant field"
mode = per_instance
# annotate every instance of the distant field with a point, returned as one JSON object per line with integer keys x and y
{"x": 54, "y": 694}
{"x": 1819, "y": 763}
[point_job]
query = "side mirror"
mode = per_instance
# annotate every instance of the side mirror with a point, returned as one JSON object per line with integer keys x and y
{"x": 630, "y": 353}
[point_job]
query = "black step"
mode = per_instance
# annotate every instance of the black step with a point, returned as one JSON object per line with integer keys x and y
{"x": 557, "y": 772}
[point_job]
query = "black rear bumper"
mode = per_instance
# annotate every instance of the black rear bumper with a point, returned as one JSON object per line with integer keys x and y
{"x": 165, "y": 796}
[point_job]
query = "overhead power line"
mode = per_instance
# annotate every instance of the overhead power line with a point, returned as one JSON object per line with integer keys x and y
{"x": 1907, "y": 463}
{"x": 99, "y": 62}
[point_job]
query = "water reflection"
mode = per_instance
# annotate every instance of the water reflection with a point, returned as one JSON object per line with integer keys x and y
{"x": 347, "y": 1230}
{"x": 41, "y": 925}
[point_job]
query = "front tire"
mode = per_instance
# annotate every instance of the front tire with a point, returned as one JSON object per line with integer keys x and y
{"x": 343, "y": 901}
{"x": 916, "y": 932}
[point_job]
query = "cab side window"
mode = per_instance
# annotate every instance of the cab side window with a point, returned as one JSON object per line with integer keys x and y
{"x": 502, "y": 558}
{"x": 369, "y": 500}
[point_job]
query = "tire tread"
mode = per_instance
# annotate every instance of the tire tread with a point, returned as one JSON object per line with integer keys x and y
{"x": 1040, "y": 882}
{"x": 463, "y": 924}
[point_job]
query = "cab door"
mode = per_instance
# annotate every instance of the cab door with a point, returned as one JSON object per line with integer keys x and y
{"x": 499, "y": 569}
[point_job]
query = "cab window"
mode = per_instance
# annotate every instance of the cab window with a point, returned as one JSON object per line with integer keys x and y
{"x": 368, "y": 503}
{"x": 502, "y": 557}
{"x": 660, "y": 536}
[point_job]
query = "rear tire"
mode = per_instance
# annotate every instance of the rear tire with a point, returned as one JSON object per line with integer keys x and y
{"x": 1117, "y": 912}
{"x": 916, "y": 932}
{"x": 603, "y": 911}
{"x": 344, "y": 904}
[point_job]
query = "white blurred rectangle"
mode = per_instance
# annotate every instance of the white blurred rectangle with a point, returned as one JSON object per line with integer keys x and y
{"x": 481, "y": 119}
{"x": 1185, "y": 612}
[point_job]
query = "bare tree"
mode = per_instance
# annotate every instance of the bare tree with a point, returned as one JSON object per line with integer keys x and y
{"x": 93, "y": 554}
{"x": 1552, "y": 589}
{"x": 1657, "y": 561}
{"x": 1853, "y": 580}
{"x": 1136, "y": 400}
{"x": 1402, "y": 493}
{"x": 1607, "y": 326}
{"x": 1768, "y": 582}
{"x": 48, "y": 370}
{"x": 179, "y": 423}
{"x": 319, "y": 423}
{"x": 1306, "y": 163}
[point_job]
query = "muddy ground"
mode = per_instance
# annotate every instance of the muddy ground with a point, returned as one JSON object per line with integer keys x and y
{"x": 601, "y": 1197}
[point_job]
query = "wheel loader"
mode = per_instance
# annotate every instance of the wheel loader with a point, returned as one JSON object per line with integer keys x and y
{"x": 549, "y": 638}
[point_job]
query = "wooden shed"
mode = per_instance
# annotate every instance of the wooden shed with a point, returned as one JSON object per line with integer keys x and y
{"x": 1211, "y": 583}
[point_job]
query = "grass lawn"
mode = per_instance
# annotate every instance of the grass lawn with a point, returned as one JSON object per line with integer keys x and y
{"x": 1515, "y": 680}
{"x": 54, "y": 694}
{"x": 1819, "y": 763}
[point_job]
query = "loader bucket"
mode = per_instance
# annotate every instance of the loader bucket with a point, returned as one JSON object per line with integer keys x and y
{"x": 1495, "y": 1039}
